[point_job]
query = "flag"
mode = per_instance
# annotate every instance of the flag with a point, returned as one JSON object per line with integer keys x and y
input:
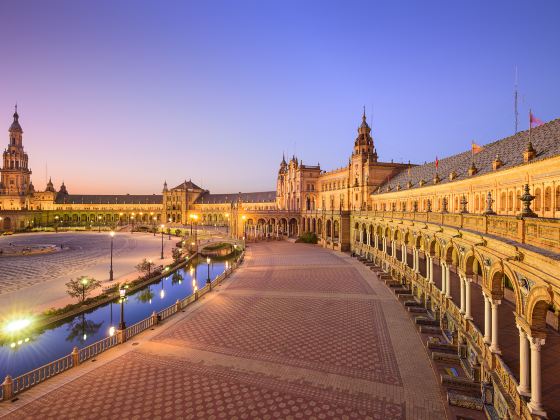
{"x": 475, "y": 148}
{"x": 534, "y": 121}
{"x": 437, "y": 163}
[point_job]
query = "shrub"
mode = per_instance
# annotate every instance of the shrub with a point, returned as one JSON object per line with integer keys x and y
{"x": 308, "y": 238}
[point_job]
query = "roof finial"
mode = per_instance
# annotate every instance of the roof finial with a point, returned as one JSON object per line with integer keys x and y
{"x": 364, "y": 115}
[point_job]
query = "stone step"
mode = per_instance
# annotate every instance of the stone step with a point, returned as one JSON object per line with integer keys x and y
{"x": 427, "y": 329}
{"x": 413, "y": 303}
{"x": 464, "y": 401}
{"x": 460, "y": 384}
{"x": 445, "y": 357}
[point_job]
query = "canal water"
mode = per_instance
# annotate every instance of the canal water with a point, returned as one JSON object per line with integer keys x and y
{"x": 23, "y": 354}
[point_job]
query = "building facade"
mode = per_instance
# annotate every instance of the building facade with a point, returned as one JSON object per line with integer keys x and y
{"x": 475, "y": 238}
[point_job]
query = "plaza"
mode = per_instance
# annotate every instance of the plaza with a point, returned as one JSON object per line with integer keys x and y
{"x": 296, "y": 332}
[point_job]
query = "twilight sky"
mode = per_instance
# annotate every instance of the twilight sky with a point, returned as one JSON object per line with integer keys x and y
{"x": 117, "y": 96}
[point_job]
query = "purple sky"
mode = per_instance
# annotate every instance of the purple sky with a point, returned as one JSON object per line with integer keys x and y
{"x": 117, "y": 96}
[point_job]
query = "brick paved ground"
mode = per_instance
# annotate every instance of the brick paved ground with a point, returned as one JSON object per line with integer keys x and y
{"x": 325, "y": 344}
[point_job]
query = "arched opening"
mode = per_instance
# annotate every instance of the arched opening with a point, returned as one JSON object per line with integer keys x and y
{"x": 7, "y": 223}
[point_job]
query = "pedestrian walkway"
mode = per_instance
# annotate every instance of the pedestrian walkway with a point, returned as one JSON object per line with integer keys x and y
{"x": 297, "y": 332}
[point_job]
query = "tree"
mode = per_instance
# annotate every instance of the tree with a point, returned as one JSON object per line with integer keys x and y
{"x": 81, "y": 287}
{"x": 177, "y": 232}
{"x": 145, "y": 266}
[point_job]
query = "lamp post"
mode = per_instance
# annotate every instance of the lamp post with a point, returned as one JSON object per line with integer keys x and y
{"x": 99, "y": 224}
{"x": 111, "y": 267}
{"x": 84, "y": 284}
{"x": 169, "y": 230}
{"x": 132, "y": 221}
{"x": 208, "y": 265}
{"x": 122, "y": 294}
{"x": 56, "y": 223}
{"x": 162, "y": 226}
{"x": 154, "y": 225}
{"x": 227, "y": 224}
{"x": 244, "y": 218}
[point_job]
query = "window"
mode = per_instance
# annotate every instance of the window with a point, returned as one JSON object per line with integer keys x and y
{"x": 547, "y": 199}
{"x": 510, "y": 201}
{"x": 538, "y": 197}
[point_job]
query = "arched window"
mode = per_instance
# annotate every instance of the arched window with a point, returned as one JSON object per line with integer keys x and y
{"x": 558, "y": 198}
{"x": 510, "y": 201}
{"x": 547, "y": 199}
{"x": 538, "y": 199}
{"x": 502, "y": 201}
{"x": 477, "y": 203}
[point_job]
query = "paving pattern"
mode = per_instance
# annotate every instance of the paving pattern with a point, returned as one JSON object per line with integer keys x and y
{"x": 259, "y": 349}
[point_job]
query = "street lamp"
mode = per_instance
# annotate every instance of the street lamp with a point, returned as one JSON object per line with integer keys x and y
{"x": 122, "y": 294}
{"x": 208, "y": 264}
{"x": 244, "y": 218}
{"x": 132, "y": 221}
{"x": 227, "y": 224}
{"x": 162, "y": 226}
{"x": 111, "y": 267}
{"x": 99, "y": 223}
{"x": 154, "y": 225}
{"x": 84, "y": 284}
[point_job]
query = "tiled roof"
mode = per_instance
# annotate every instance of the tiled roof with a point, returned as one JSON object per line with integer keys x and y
{"x": 108, "y": 199}
{"x": 187, "y": 185}
{"x": 252, "y": 197}
{"x": 545, "y": 140}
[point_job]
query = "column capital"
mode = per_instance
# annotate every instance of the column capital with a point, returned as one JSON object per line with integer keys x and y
{"x": 536, "y": 343}
{"x": 494, "y": 302}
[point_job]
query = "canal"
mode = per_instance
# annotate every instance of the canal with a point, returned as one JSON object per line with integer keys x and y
{"x": 25, "y": 353}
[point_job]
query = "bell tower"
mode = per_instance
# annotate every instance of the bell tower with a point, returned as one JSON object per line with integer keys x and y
{"x": 15, "y": 175}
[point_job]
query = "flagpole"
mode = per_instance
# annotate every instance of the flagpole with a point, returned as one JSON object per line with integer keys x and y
{"x": 530, "y": 113}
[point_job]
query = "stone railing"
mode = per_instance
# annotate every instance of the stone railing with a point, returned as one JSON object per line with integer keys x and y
{"x": 539, "y": 232}
{"x": 10, "y": 387}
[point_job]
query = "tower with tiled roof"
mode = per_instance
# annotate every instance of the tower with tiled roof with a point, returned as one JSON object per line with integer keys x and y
{"x": 15, "y": 175}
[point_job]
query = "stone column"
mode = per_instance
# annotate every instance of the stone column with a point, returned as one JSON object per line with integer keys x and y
{"x": 447, "y": 281}
{"x": 417, "y": 260}
{"x": 394, "y": 248}
{"x": 462, "y": 285}
{"x": 524, "y": 356}
{"x": 384, "y": 244}
{"x": 376, "y": 241}
{"x": 443, "y": 282}
{"x": 430, "y": 268}
{"x": 368, "y": 238}
{"x": 487, "y": 320}
{"x": 404, "y": 255}
{"x": 495, "y": 346}
{"x": 535, "y": 405}
{"x": 468, "y": 314}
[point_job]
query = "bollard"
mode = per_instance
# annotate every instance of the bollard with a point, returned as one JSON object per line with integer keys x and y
{"x": 8, "y": 388}
{"x": 75, "y": 356}
{"x": 154, "y": 318}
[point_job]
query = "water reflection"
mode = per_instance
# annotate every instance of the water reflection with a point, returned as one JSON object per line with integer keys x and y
{"x": 82, "y": 327}
{"x": 39, "y": 347}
